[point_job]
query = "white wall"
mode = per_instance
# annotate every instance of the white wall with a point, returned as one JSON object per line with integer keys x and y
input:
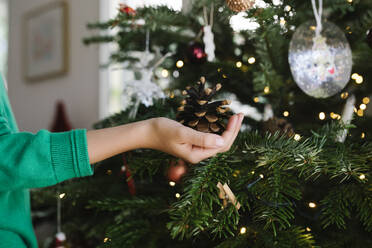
{"x": 34, "y": 103}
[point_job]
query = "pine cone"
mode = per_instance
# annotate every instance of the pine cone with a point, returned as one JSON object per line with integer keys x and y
{"x": 198, "y": 112}
{"x": 275, "y": 124}
{"x": 240, "y": 5}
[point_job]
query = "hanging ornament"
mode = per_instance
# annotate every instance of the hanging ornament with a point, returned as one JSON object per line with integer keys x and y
{"x": 369, "y": 38}
{"x": 176, "y": 170}
{"x": 123, "y": 8}
{"x": 227, "y": 195}
{"x": 320, "y": 57}
{"x": 61, "y": 241}
{"x": 208, "y": 37}
{"x": 240, "y": 5}
{"x": 130, "y": 181}
{"x": 198, "y": 112}
{"x": 196, "y": 53}
{"x": 143, "y": 90}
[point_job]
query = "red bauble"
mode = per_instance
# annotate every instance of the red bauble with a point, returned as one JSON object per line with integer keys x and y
{"x": 123, "y": 8}
{"x": 196, "y": 53}
{"x": 177, "y": 169}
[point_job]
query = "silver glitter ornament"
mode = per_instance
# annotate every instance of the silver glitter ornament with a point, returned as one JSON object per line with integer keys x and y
{"x": 320, "y": 64}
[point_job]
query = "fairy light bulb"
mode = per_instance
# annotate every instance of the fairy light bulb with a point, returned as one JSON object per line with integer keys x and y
{"x": 363, "y": 106}
{"x": 366, "y": 100}
{"x": 308, "y": 229}
{"x": 354, "y": 76}
{"x": 359, "y": 80}
{"x": 172, "y": 184}
{"x": 239, "y": 64}
{"x": 62, "y": 195}
{"x": 243, "y": 230}
{"x": 344, "y": 95}
{"x": 312, "y": 205}
{"x": 256, "y": 99}
{"x": 179, "y": 64}
{"x": 297, "y": 137}
{"x": 165, "y": 73}
{"x": 178, "y": 195}
{"x": 363, "y": 135}
{"x": 267, "y": 90}
{"x": 285, "y": 113}
{"x": 322, "y": 115}
{"x": 251, "y": 60}
{"x": 362, "y": 177}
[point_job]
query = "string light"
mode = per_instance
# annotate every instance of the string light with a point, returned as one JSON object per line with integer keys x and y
{"x": 363, "y": 135}
{"x": 354, "y": 76}
{"x": 224, "y": 76}
{"x": 236, "y": 173}
{"x": 165, "y": 73}
{"x": 312, "y": 205}
{"x": 252, "y": 172}
{"x": 172, "y": 184}
{"x": 359, "y": 80}
{"x": 261, "y": 175}
{"x": 239, "y": 64}
{"x": 362, "y": 177}
{"x": 366, "y": 100}
{"x": 360, "y": 112}
{"x": 308, "y": 229}
{"x": 179, "y": 64}
{"x": 243, "y": 230}
{"x": 297, "y": 137}
{"x": 256, "y": 99}
{"x": 267, "y": 90}
{"x": 251, "y": 60}
{"x": 322, "y": 115}
{"x": 335, "y": 116}
{"x": 285, "y": 113}
{"x": 105, "y": 240}
{"x": 344, "y": 95}
{"x": 62, "y": 195}
{"x": 363, "y": 106}
{"x": 178, "y": 195}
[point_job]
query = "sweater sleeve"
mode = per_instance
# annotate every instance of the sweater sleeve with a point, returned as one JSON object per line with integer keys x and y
{"x": 43, "y": 159}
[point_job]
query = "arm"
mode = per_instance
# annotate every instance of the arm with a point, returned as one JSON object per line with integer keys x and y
{"x": 164, "y": 135}
{"x": 44, "y": 159}
{"x": 37, "y": 160}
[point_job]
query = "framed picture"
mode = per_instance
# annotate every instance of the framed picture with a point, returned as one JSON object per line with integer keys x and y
{"x": 46, "y": 42}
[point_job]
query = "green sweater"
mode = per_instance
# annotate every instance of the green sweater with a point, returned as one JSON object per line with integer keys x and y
{"x": 32, "y": 161}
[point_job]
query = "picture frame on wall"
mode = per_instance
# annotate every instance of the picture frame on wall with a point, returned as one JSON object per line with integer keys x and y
{"x": 46, "y": 42}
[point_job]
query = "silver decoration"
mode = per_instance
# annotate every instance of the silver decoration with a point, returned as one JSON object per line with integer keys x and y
{"x": 321, "y": 65}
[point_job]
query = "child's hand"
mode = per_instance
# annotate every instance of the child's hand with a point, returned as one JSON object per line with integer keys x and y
{"x": 172, "y": 137}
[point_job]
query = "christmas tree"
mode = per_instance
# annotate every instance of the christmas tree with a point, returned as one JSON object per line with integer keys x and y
{"x": 297, "y": 176}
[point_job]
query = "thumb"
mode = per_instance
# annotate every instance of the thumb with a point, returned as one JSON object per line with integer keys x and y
{"x": 206, "y": 140}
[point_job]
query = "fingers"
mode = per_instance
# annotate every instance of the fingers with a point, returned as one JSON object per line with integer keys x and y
{"x": 199, "y": 152}
{"x": 204, "y": 140}
{"x": 232, "y": 131}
